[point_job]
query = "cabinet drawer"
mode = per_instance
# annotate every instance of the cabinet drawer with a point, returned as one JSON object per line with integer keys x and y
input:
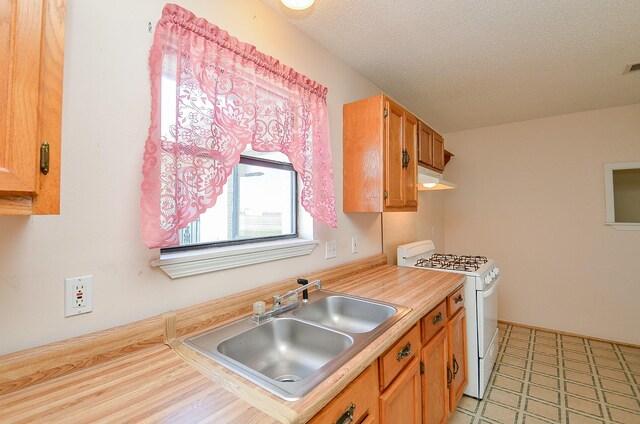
{"x": 362, "y": 393}
{"x": 434, "y": 321}
{"x": 455, "y": 301}
{"x": 398, "y": 356}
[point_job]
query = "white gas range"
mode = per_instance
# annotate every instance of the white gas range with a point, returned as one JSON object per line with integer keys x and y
{"x": 481, "y": 303}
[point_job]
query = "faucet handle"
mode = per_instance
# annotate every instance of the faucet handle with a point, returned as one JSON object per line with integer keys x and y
{"x": 305, "y": 292}
{"x": 259, "y": 308}
{"x": 277, "y": 301}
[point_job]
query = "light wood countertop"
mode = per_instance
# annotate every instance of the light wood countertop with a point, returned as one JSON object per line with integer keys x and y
{"x": 156, "y": 384}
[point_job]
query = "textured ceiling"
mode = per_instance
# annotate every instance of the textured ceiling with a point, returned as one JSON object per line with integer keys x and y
{"x": 468, "y": 64}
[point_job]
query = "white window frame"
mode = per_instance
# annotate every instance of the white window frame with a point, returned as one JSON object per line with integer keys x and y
{"x": 189, "y": 262}
{"x": 609, "y": 196}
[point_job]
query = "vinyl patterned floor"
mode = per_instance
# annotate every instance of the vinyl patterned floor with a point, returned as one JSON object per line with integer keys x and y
{"x": 544, "y": 377}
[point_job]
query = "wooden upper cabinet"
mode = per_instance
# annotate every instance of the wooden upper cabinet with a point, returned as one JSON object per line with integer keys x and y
{"x": 379, "y": 156}
{"x": 411, "y": 167}
{"x": 438, "y": 152}
{"x": 393, "y": 156}
{"x": 430, "y": 148}
{"x": 31, "y": 104}
{"x": 425, "y": 144}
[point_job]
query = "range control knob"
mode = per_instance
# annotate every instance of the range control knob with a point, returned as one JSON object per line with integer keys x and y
{"x": 497, "y": 270}
{"x": 487, "y": 280}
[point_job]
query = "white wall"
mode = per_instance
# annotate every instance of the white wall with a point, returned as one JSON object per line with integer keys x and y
{"x": 425, "y": 224}
{"x": 531, "y": 195}
{"x": 105, "y": 120}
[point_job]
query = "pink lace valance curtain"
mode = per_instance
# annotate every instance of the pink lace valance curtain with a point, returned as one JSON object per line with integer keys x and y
{"x": 218, "y": 95}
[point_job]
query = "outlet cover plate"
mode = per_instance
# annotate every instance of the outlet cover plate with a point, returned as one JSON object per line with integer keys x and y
{"x": 354, "y": 244}
{"x": 78, "y": 295}
{"x": 331, "y": 249}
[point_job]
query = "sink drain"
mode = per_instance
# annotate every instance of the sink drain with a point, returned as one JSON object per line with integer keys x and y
{"x": 288, "y": 378}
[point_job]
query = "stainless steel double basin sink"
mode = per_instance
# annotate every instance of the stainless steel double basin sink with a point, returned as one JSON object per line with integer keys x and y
{"x": 292, "y": 353}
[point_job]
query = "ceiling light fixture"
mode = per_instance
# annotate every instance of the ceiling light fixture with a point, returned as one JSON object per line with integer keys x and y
{"x": 298, "y": 4}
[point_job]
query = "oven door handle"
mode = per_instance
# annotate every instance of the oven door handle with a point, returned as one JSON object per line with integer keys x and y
{"x": 494, "y": 286}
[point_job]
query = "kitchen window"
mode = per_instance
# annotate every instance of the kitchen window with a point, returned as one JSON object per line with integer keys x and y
{"x": 258, "y": 203}
{"x": 237, "y": 141}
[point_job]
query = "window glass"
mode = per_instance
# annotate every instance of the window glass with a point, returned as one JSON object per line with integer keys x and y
{"x": 622, "y": 195}
{"x": 258, "y": 202}
{"x": 626, "y": 194}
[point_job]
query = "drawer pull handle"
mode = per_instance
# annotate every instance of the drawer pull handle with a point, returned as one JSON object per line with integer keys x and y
{"x": 437, "y": 318}
{"x": 449, "y": 376}
{"x": 406, "y": 351}
{"x": 458, "y": 299}
{"x": 456, "y": 367}
{"x": 347, "y": 417}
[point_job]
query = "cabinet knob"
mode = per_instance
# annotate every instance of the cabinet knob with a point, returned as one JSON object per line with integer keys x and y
{"x": 347, "y": 417}
{"x": 458, "y": 299}
{"x": 437, "y": 318}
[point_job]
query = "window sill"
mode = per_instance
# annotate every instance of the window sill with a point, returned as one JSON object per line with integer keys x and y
{"x": 624, "y": 226}
{"x": 184, "y": 264}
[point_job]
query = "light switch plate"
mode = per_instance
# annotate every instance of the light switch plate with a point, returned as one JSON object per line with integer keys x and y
{"x": 78, "y": 295}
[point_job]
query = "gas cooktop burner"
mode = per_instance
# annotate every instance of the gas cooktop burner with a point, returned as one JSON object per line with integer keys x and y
{"x": 449, "y": 261}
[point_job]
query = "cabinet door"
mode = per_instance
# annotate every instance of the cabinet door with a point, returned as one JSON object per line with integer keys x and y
{"x": 435, "y": 391}
{"x": 401, "y": 402}
{"x": 425, "y": 144}
{"x": 438, "y": 152}
{"x": 394, "y": 136}
{"x": 30, "y": 104}
{"x": 410, "y": 170}
{"x": 19, "y": 88}
{"x": 457, "y": 329}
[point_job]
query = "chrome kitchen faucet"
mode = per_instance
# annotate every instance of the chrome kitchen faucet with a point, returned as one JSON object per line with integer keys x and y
{"x": 260, "y": 315}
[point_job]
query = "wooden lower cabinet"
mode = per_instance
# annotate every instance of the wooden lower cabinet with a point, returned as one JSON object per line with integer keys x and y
{"x": 457, "y": 331}
{"x": 444, "y": 359}
{"x": 410, "y": 384}
{"x": 401, "y": 402}
{"x": 357, "y": 403}
{"x": 435, "y": 377}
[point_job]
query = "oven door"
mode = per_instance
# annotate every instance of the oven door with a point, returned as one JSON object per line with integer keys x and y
{"x": 487, "y": 301}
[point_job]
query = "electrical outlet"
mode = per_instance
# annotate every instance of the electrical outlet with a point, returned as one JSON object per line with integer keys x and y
{"x": 78, "y": 295}
{"x": 331, "y": 249}
{"x": 354, "y": 244}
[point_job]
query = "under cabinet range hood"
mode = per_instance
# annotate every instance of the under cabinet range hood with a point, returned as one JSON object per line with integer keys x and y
{"x": 431, "y": 180}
